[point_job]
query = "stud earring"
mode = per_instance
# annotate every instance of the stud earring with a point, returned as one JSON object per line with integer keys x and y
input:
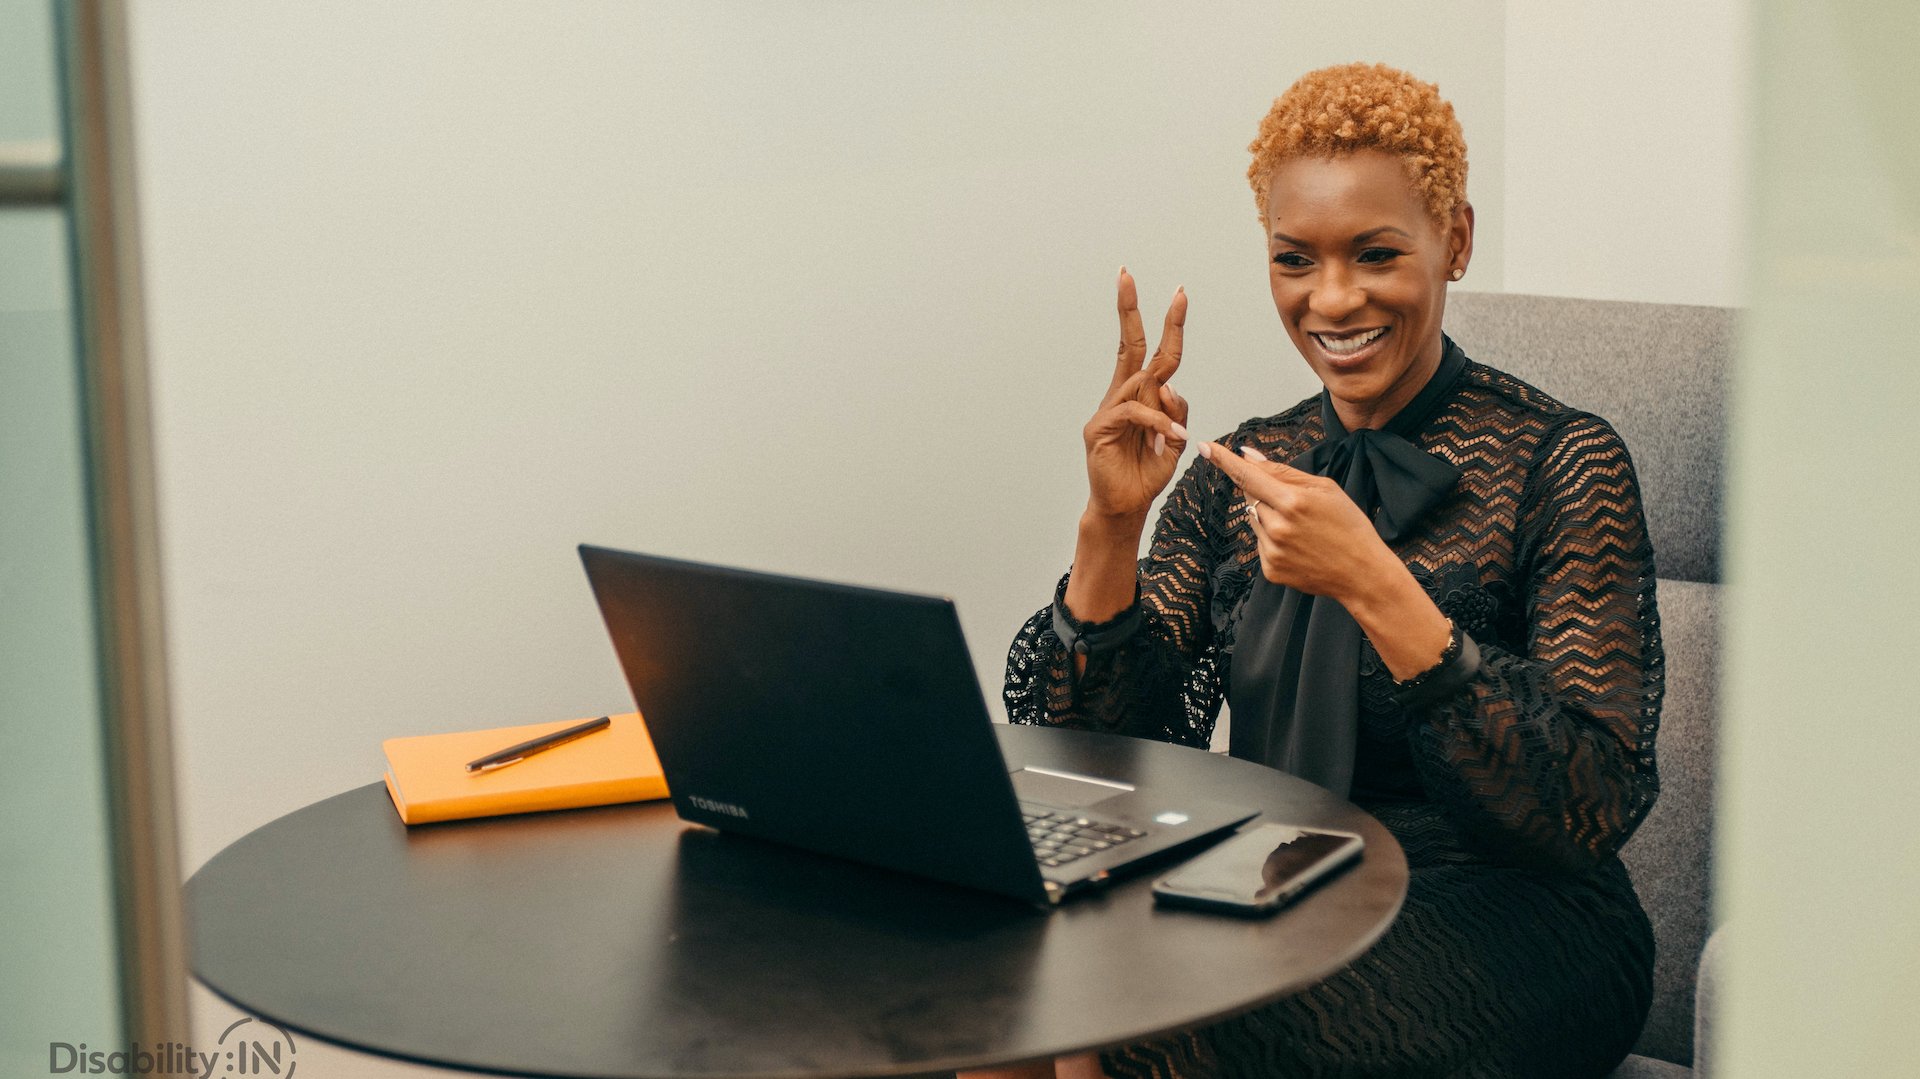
{"x": 1457, "y": 273}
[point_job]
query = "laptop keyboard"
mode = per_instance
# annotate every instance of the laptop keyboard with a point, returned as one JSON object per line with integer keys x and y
{"x": 1059, "y": 838}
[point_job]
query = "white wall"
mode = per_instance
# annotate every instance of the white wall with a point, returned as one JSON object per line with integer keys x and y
{"x": 825, "y": 289}
{"x": 1627, "y": 139}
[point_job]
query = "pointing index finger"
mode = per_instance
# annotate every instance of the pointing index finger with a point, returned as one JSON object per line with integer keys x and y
{"x": 1261, "y": 480}
{"x": 1273, "y": 467}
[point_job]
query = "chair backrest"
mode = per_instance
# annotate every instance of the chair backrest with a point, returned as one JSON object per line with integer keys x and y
{"x": 1658, "y": 373}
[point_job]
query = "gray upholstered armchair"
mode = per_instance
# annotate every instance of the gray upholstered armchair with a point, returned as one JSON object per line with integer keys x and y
{"x": 1658, "y": 372}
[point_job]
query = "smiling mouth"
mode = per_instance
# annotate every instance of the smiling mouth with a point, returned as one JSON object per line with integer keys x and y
{"x": 1351, "y": 343}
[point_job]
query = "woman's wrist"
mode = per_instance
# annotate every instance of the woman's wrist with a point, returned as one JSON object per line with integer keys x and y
{"x": 1406, "y": 627}
{"x": 1105, "y": 559}
{"x": 1120, "y": 529}
{"x": 1455, "y": 669}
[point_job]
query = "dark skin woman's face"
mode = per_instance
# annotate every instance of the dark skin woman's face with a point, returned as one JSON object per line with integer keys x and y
{"x": 1359, "y": 272}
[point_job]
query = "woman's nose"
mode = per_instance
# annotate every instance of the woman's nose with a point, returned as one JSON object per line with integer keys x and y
{"x": 1335, "y": 296}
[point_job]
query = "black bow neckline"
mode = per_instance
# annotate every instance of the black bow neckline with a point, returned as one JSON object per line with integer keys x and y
{"x": 1295, "y": 681}
{"x": 1405, "y": 480}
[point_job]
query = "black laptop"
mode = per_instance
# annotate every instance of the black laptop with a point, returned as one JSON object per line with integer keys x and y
{"x": 849, "y": 721}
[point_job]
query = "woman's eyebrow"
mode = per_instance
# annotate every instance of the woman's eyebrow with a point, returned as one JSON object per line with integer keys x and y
{"x": 1371, "y": 233}
{"x": 1360, "y": 239}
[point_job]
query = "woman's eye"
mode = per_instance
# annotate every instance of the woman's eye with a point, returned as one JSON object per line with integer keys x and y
{"x": 1292, "y": 260}
{"x": 1379, "y": 254}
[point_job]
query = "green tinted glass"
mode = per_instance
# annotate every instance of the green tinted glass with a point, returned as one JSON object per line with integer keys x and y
{"x": 58, "y": 978}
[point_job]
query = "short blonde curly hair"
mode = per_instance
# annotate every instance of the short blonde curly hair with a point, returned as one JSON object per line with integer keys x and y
{"x": 1349, "y": 107}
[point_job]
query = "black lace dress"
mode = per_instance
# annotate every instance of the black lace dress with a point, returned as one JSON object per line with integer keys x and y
{"x": 1522, "y": 949}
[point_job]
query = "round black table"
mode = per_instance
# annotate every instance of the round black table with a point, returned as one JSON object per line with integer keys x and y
{"x": 620, "y": 941}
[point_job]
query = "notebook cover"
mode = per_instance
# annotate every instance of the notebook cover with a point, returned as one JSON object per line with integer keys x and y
{"x": 428, "y": 780}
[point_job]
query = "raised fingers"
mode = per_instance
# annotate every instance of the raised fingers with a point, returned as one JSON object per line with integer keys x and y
{"x": 1133, "y": 337}
{"x": 1166, "y": 359}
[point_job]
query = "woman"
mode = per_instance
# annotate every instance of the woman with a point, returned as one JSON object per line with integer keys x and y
{"x": 1445, "y": 567}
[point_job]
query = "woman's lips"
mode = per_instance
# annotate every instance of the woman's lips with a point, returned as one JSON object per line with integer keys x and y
{"x": 1328, "y": 345}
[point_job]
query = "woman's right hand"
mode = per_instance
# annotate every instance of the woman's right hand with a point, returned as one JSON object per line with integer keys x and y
{"x": 1135, "y": 440}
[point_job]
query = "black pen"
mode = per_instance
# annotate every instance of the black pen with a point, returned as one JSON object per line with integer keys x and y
{"x": 528, "y": 748}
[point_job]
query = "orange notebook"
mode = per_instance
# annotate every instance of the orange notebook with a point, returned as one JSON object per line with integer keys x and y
{"x": 428, "y": 780}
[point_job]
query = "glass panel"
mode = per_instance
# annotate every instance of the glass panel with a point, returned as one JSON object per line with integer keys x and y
{"x": 57, "y": 951}
{"x": 1819, "y": 870}
{"x": 29, "y": 100}
{"x": 58, "y": 976}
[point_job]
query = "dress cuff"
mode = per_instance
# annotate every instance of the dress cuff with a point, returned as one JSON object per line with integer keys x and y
{"x": 1093, "y": 638}
{"x": 1457, "y": 666}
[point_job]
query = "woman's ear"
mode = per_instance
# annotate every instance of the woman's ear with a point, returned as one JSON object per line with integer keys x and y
{"x": 1460, "y": 241}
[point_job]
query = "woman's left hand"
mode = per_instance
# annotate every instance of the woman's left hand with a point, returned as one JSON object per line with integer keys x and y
{"x": 1312, "y": 536}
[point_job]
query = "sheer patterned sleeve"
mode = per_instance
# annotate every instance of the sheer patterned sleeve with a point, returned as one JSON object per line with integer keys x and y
{"x": 1547, "y": 758}
{"x": 1162, "y": 682}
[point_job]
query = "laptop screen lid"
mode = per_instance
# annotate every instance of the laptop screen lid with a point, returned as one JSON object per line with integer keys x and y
{"x": 841, "y": 719}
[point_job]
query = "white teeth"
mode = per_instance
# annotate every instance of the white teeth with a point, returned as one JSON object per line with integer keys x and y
{"x": 1344, "y": 346}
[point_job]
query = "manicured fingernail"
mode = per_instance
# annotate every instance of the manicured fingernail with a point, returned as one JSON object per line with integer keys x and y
{"x": 1206, "y": 450}
{"x": 1159, "y": 444}
{"x": 1252, "y": 454}
{"x": 1179, "y": 432}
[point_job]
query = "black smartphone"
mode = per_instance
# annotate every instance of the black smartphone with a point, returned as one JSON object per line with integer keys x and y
{"x": 1259, "y": 870}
